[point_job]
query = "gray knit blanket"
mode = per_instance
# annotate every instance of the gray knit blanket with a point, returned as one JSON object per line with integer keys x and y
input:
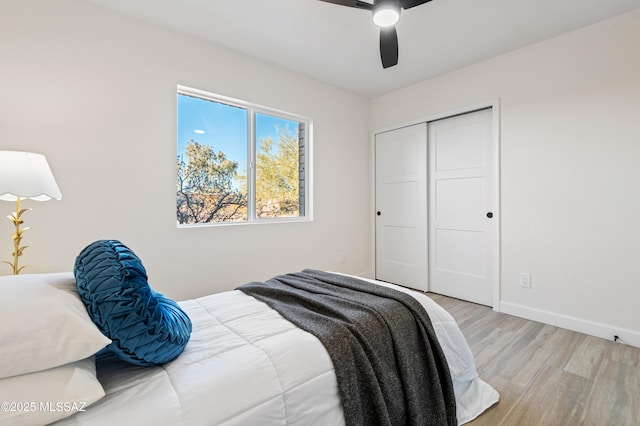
{"x": 389, "y": 365}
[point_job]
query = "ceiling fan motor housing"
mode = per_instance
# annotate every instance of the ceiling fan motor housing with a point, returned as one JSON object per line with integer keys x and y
{"x": 386, "y": 12}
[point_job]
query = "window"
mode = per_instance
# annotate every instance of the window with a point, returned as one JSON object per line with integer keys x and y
{"x": 239, "y": 163}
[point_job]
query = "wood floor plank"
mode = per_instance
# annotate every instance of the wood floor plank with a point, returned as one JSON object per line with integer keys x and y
{"x": 551, "y": 399}
{"x": 615, "y": 392}
{"x": 587, "y": 357}
{"x": 548, "y": 376}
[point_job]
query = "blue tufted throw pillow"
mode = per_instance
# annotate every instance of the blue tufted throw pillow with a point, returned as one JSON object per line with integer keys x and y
{"x": 145, "y": 327}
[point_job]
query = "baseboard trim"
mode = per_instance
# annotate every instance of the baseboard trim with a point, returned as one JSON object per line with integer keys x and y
{"x": 604, "y": 331}
{"x": 368, "y": 275}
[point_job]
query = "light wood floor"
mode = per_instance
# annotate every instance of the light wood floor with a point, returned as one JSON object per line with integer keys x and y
{"x": 547, "y": 375}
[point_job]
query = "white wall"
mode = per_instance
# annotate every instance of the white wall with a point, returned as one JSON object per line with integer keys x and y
{"x": 96, "y": 93}
{"x": 570, "y": 174}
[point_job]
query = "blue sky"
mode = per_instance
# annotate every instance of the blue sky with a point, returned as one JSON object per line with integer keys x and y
{"x": 223, "y": 127}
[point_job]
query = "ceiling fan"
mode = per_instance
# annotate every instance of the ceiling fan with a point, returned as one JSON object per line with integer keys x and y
{"x": 386, "y": 14}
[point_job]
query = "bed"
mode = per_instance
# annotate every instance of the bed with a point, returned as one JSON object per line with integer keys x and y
{"x": 244, "y": 364}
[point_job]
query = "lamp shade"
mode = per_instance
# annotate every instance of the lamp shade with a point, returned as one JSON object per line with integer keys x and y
{"x": 26, "y": 175}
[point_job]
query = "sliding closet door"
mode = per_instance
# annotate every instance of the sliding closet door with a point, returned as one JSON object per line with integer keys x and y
{"x": 401, "y": 206}
{"x": 461, "y": 223}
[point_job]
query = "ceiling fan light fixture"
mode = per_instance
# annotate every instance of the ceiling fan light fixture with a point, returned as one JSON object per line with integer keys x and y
{"x": 386, "y": 13}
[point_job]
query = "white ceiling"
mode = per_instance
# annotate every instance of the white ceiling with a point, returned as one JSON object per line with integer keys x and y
{"x": 339, "y": 45}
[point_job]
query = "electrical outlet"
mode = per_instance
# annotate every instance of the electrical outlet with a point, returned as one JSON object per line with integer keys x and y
{"x": 343, "y": 257}
{"x": 525, "y": 280}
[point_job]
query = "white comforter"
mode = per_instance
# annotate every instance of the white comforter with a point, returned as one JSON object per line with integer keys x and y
{"x": 246, "y": 365}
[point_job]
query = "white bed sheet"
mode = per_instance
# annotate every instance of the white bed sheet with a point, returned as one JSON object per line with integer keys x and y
{"x": 246, "y": 365}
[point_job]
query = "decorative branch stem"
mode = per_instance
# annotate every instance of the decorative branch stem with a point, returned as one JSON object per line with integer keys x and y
{"x": 17, "y": 238}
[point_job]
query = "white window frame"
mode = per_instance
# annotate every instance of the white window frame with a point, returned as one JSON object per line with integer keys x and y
{"x": 252, "y": 109}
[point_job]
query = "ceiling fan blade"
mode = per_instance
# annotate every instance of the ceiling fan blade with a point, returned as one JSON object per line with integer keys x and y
{"x": 351, "y": 3}
{"x": 408, "y": 4}
{"x": 388, "y": 46}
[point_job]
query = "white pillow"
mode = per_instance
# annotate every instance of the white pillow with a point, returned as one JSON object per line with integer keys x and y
{"x": 46, "y": 396}
{"x": 43, "y": 324}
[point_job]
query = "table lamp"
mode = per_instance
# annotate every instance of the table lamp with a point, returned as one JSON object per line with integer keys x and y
{"x": 24, "y": 175}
